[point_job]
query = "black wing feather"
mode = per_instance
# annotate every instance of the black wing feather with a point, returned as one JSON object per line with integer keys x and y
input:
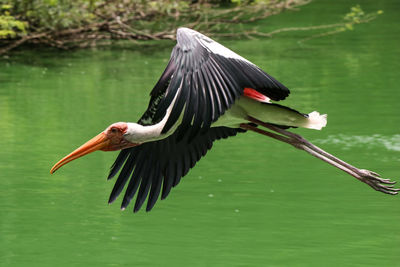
{"x": 118, "y": 163}
{"x": 153, "y": 167}
{"x": 123, "y": 176}
{"x": 220, "y": 78}
{"x": 204, "y": 82}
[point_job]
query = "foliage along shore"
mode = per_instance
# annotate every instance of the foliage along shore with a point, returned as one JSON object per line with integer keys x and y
{"x": 86, "y": 23}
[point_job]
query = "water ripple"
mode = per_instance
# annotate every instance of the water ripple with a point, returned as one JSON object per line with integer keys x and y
{"x": 390, "y": 142}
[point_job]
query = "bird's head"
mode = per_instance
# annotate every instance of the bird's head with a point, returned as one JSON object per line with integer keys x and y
{"x": 111, "y": 139}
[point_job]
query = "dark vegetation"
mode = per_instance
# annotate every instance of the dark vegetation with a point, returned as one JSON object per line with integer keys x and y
{"x": 69, "y": 24}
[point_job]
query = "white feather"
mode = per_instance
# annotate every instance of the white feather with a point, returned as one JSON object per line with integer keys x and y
{"x": 137, "y": 133}
{"x": 212, "y": 45}
{"x": 316, "y": 121}
{"x": 218, "y": 49}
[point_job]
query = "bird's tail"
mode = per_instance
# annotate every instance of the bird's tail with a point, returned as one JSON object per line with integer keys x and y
{"x": 316, "y": 121}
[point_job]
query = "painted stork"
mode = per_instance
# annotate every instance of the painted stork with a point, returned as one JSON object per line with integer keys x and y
{"x": 207, "y": 92}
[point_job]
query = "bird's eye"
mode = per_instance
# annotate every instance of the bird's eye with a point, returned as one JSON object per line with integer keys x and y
{"x": 114, "y": 130}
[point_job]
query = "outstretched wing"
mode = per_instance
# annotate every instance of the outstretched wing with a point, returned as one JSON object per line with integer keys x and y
{"x": 206, "y": 78}
{"x": 160, "y": 164}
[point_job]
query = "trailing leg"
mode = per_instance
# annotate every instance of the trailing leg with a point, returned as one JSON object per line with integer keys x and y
{"x": 371, "y": 178}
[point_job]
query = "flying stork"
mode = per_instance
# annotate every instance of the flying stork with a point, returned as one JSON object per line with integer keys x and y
{"x": 207, "y": 92}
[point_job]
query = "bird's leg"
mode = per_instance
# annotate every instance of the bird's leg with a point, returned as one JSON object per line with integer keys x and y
{"x": 371, "y": 178}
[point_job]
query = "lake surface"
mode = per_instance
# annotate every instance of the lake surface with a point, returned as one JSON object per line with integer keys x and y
{"x": 251, "y": 201}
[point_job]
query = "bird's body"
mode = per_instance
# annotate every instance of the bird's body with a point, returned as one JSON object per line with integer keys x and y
{"x": 207, "y": 92}
{"x": 237, "y": 114}
{"x": 268, "y": 112}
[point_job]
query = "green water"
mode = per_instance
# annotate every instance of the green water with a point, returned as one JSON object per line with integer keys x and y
{"x": 251, "y": 201}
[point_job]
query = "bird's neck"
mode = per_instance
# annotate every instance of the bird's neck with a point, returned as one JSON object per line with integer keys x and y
{"x": 137, "y": 133}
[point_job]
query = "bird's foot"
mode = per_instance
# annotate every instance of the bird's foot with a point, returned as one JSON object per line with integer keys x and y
{"x": 374, "y": 180}
{"x": 371, "y": 178}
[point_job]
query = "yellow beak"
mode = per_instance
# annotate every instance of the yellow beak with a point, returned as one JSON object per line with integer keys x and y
{"x": 98, "y": 142}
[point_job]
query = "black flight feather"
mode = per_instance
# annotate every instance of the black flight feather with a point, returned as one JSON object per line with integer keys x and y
{"x": 152, "y": 166}
{"x": 205, "y": 79}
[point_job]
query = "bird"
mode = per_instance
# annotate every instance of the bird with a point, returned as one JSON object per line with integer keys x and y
{"x": 207, "y": 92}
